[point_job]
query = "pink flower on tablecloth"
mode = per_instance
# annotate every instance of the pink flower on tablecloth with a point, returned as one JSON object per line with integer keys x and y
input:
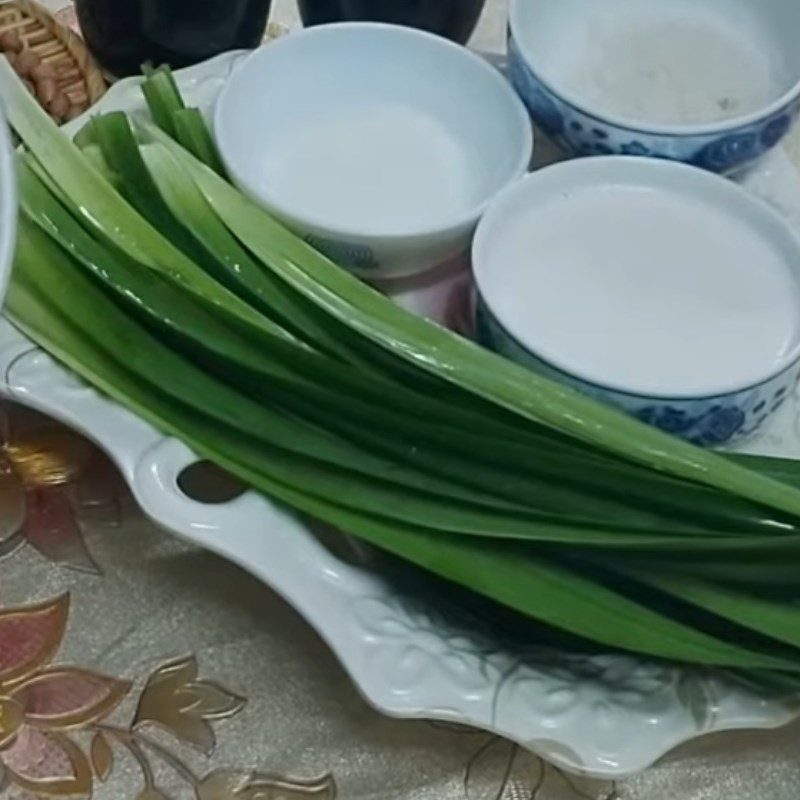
{"x": 56, "y": 736}
{"x": 40, "y": 704}
{"x": 43, "y": 706}
{"x": 51, "y": 481}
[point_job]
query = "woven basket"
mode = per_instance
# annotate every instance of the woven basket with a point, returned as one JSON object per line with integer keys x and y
{"x": 79, "y": 76}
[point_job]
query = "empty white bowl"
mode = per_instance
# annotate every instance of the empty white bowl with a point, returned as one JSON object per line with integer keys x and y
{"x": 379, "y": 144}
{"x": 658, "y": 287}
{"x": 8, "y": 205}
{"x": 714, "y": 83}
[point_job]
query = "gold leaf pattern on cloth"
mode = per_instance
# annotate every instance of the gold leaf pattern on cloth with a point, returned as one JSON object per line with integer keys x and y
{"x": 47, "y": 764}
{"x": 45, "y": 707}
{"x": 30, "y": 637}
{"x": 225, "y": 785}
{"x": 65, "y": 697}
{"x": 57, "y": 736}
{"x": 102, "y": 757}
{"x": 45, "y": 471}
{"x": 49, "y": 458}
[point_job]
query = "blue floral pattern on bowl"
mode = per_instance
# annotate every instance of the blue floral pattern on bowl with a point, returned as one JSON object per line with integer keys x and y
{"x": 704, "y": 421}
{"x": 584, "y": 134}
{"x": 345, "y": 254}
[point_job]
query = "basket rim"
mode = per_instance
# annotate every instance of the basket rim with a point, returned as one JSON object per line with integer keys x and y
{"x": 96, "y": 83}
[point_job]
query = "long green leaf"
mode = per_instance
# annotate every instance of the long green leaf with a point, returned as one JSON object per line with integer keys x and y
{"x": 530, "y": 585}
{"x": 192, "y": 132}
{"x": 271, "y": 382}
{"x": 163, "y": 97}
{"x": 781, "y": 621}
{"x": 233, "y": 265}
{"x": 104, "y": 210}
{"x": 448, "y": 356}
{"x": 327, "y": 467}
{"x": 456, "y": 429}
{"x": 283, "y": 444}
{"x": 93, "y": 192}
{"x": 120, "y": 152}
{"x": 312, "y": 449}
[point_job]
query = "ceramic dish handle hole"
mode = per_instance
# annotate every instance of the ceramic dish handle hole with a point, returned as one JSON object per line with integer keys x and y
{"x": 190, "y": 496}
{"x": 205, "y": 483}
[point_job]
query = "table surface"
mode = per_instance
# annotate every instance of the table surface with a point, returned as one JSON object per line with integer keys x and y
{"x": 176, "y": 670}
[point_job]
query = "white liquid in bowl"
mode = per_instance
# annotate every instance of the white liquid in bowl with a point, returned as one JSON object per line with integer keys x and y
{"x": 645, "y": 290}
{"x": 391, "y": 167}
{"x": 680, "y": 62}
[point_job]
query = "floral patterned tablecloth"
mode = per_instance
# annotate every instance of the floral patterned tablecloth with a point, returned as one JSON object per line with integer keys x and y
{"x": 135, "y": 667}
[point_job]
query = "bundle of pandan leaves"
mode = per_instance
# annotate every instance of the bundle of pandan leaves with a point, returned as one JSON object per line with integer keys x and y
{"x": 146, "y": 272}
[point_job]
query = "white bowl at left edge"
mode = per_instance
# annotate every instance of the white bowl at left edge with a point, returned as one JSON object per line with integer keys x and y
{"x": 8, "y": 205}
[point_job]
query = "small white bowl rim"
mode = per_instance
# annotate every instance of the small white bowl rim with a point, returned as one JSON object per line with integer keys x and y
{"x": 730, "y": 125}
{"x": 745, "y": 201}
{"x": 8, "y": 204}
{"x": 464, "y": 219}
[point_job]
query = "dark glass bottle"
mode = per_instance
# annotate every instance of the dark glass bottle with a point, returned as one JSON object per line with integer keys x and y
{"x": 455, "y": 19}
{"x": 124, "y": 34}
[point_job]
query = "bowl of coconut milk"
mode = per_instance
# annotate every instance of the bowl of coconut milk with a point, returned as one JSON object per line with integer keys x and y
{"x": 714, "y": 83}
{"x": 379, "y": 144}
{"x": 660, "y": 288}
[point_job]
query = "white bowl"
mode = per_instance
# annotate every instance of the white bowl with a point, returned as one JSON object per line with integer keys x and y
{"x": 714, "y": 83}
{"x": 665, "y": 290}
{"x": 379, "y": 144}
{"x": 8, "y": 205}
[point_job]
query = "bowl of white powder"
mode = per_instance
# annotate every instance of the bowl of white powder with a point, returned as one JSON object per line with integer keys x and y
{"x": 662, "y": 289}
{"x": 714, "y": 83}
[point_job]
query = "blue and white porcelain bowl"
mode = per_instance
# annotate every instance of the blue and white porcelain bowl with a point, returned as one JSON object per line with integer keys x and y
{"x": 656, "y": 287}
{"x": 705, "y": 421}
{"x": 713, "y": 83}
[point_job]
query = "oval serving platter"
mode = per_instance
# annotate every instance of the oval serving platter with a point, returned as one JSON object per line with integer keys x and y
{"x": 603, "y": 716}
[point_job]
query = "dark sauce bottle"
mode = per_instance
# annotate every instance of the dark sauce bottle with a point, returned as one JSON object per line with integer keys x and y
{"x": 124, "y": 34}
{"x": 455, "y": 19}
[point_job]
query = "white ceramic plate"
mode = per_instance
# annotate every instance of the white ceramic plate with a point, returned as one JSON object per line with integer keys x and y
{"x": 605, "y": 715}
